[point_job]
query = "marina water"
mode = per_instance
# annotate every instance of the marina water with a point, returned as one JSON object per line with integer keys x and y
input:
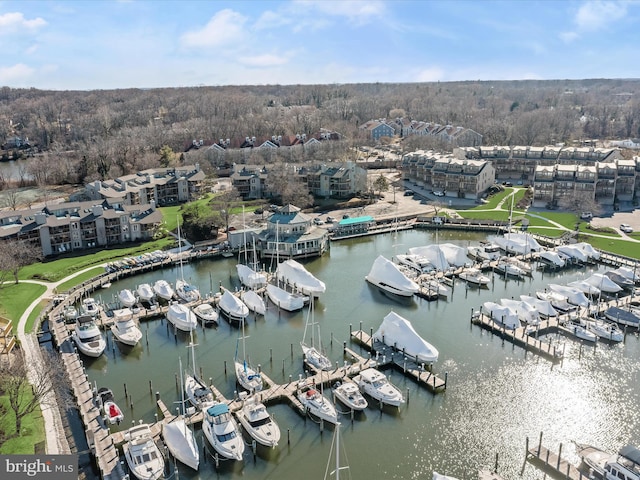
{"x": 497, "y": 394}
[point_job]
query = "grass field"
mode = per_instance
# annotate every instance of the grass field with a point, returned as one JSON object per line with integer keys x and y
{"x": 14, "y": 298}
{"x": 32, "y": 431}
{"x": 78, "y": 279}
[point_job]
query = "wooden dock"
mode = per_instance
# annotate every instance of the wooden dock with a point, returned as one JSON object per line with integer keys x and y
{"x": 553, "y": 463}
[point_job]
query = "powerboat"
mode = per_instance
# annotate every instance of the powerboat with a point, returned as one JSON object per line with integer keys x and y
{"x": 573, "y": 295}
{"x": 508, "y": 268}
{"x": 70, "y": 313}
{"x": 629, "y": 273}
{"x": 386, "y": 275}
{"x": 475, "y": 277}
{"x": 576, "y": 254}
{"x": 375, "y": 384}
{"x": 349, "y": 394}
{"x": 604, "y": 330}
{"x": 604, "y": 283}
{"x": 622, "y": 317}
{"x": 142, "y": 454}
{"x": 181, "y": 317}
{"x": 434, "y": 286}
{"x": 580, "y": 331}
{"x": 585, "y": 287}
{"x": 558, "y": 301}
{"x": 124, "y": 327}
{"x": 526, "y": 312}
{"x": 544, "y": 307}
{"x": 621, "y": 280}
{"x": 163, "y": 290}
{"x": 222, "y": 432}
{"x": 187, "y": 292}
{"x": 484, "y": 252}
{"x": 257, "y": 421}
{"x": 206, "y": 313}
{"x": 285, "y": 300}
{"x": 109, "y": 407}
{"x": 253, "y": 301}
{"x": 87, "y": 336}
{"x": 145, "y": 293}
{"x": 398, "y": 332}
{"x": 311, "y": 355}
{"x": 127, "y": 298}
{"x": 501, "y": 315}
{"x": 251, "y": 278}
{"x": 90, "y": 307}
{"x": 551, "y": 258}
{"x": 293, "y": 274}
{"x": 315, "y": 403}
{"x": 416, "y": 262}
{"x": 625, "y": 464}
{"x": 232, "y": 307}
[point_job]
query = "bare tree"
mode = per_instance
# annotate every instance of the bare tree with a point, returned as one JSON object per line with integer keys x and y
{"x": 16, "y": 254}
{"x": 285, "y": 184}
{"x": 12, "y": 199}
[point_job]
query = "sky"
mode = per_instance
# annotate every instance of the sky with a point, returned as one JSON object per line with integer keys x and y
{"x": 87, "y": 45}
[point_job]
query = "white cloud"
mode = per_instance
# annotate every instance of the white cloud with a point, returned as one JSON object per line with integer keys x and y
{"x": 14, "y": 21}
{"x": 357, "y": 11}
{"x": 15, "y": 74}
{"x": 568, "y": 37}
{"x": 265, "y": 60}
{"x": 594, "y": 15}
{"x": 32, "y": 49}
{"x": 224, "y": 28}
{"x": 270, "y": 19}
{"x": 431, "y": 74}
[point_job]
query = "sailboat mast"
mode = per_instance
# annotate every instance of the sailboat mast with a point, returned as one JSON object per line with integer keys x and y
{"x": 337, "y": 451}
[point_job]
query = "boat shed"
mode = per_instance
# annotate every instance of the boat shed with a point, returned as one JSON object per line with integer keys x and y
{"x": 353, "y": 226}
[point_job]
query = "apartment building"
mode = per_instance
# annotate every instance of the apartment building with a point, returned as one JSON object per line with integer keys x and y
{"x": 342, "y": 180}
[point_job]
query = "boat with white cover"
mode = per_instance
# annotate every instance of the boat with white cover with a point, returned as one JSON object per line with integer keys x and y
{"x": 163, "y": 290}
{"x": 312, "y": 354}
{"x": 386, "y": 275}
{"x": 294, "y": 275}
{"x": 206, "y": 313}
{"x": 585, "y": 287}
{"x": 573, "y": 295}
{"x": 434, "y": 254}
{"x": 475, "y": 277}
{"x": 232, "y": 307}
{"x": 398, "y": 332}
{"x": 87, "y": 336}
{"x": 508, "y": 268}
{"x": 315, "y": 403}
{"x": 558, "y": 301}
{"x": 576, "y": 254}
{"x": 145, "y": 293}
{"x": 526, "y": 312}
{"x": 544, "y": 307}
{"x": 124, "y": 327}
{"x": 629, "y": 273}
{"x": 518, "y": 244}
{"x": 621, "y": 280}
{"x": 222, "y": 432}
{"x": 588, "y": 250}
{"x": 109, "y": 407}
{"x": 287, "y": 301}
{"x": 127, "y": 298}
{"x": 250, "y": 278}
{"x": 349, "y": 394}
{"x": 501, "y": 315}
{"x": 142, "y": 454}
{"x": 257, "y": 421}
{"x": 253, "y": 301}
{"x": 551, "y": 258}
{"x": 181, "y": 317}
{"x": 375, "y": 384}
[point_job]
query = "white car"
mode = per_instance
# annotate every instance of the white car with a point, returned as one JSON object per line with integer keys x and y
{"x": 626, "y": 228}
{"x": 438, "y": 193}
{"x": 318, "y": 221}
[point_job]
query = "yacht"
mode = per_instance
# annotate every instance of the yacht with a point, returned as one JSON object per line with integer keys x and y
{"x": 386, "y": 275}
{"x": 90, "y": 307}
{"x": 624, "y": 465}
{"x": 222, "y": 433}
{"x": 257, "y": 421}
{"x": 398, "y": 332}
{"x": 508, "y": 268}
{"x": 145, "y": 293}
{"x": 70, "y": 313}
{"x": 250, "y": 278}
{"x": 349, "y": 394}
{"x": 163, "y": 290}
{"x": 416, "y": 262}
{"x": 206, "y": 313}
{"x": 124, "y": 327}
{"x": 551, "y": 258}
{"x": 87, "y": 336}
{"x": 375, "y": 384}
{"x": 142, "y": 454}
{"x": 127, "y": 298}
{"x": 181, "y": 317}
{"x": 315, "y": 403}
{"x": 475, "y": 277}
{"x": 232, "y": 307}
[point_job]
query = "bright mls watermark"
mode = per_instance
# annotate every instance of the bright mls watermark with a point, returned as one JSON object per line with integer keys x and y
{"x": 46, "y": 467}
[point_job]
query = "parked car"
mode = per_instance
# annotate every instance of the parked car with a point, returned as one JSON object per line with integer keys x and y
{"x": 626, "y": 228}
{"x": 330, "y": 219}
{"x": 586, "y": 215}
{"x": 438, "y": 193}
{"x": 408, "y": 193}
{"x": 318, "y": 221}
{"x": 345, "y": 216}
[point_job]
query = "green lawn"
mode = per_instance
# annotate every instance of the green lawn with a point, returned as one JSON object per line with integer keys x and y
{"x": 78, "y": 279}
{"x": 32, "y": 432}
{"x": 619, "y": 246}
{"x": 610, "y": 232}
{"x": 14, "y": 298}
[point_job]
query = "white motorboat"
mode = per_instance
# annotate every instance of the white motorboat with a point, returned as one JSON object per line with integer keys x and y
{"x": 580, "y": 331}
{"x": 501, "y": 315}
{"x": 232, "y": 307}
{"x": 294, "y": 275}
{"x": 316, "y": 403}
{"x": 603, "y": 329}
{"x": 145, "y": 293}
{"x": 349, "y": 394}
{"x": 416, "y": 262}
{"x": 124, "y": 327}
{"x": 180, "y": 438}
{"x": 518, "y": 243}
{"x": 206, "y": 313}
{"x": 551, "y": 258}
{"x": 70, "y": 313}
{"x": 127, "y": 298}
{"x": 247, "y": 377}
{"x": 604, "y": 283}
{"x": 142, "y": 454}
{"x": 544, "y": 307}
{"x": 251, "y": 278}
{"x": 181, "y": 317}
{"x": 485, "y": 252}
{"x": 475, "y": 277}
{"x": 573, "y": 295}
{"x": 585, "y": 287}
{"x": 558, "y": 301}
{"x": 386, "y": 275}
{"x": 90, "y": 307}
{"x": 87, "y": 336}
{"x": 312, "y": 354}
{"x": 257, "y": 421}
{"x": 186, "y": 291}
{"x": 397, "y": 331}
{"x": 508, "y": 268}
{"x": 375, "y": 384}
{"x": 110, "y": 409}
{"x": 222, "y": 432}
{"x": 623, "y": 465}
{"x": 253, "y": 301}
{"x": 576, "y": 254}
{"x": 163, "y": 290}
{"x": 285, "y": 300}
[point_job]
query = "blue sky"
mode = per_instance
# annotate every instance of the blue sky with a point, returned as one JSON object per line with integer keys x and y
{"x": 68, "y": 45}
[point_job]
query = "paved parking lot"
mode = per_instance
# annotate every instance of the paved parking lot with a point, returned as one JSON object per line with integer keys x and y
{"x": 616, "y": 218}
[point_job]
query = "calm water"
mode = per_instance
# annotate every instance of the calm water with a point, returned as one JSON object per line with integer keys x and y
{"x": 496, "y": 397}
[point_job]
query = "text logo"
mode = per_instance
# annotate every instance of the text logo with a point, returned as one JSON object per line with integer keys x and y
{"x": 46, "y": 467}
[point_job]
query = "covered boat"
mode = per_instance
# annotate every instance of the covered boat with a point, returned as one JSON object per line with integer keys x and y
{"x": 145, "y": 293}
{"x": 386, "y": 275}
{"x": 604, "y": 283}
{"x": 250, "y": 278}
{"x": 574, "y": 296}
{"x": 416, "y": 262}
{"x": 186, "y": 291}
{"x": 501, "y": 315}
{"x": 398, "y": 332}
{"x": 551, "y": 258}
{"x": 575, "y": 253}
{"x": 181, "y": 317}
{"x": 623, "y": 317}
{"x": 454, "y": 254}
{"x": 585, "y": 287}
{"x": 285, "y": 300}
{"x": 127, "y": 298}
{"x": 293, "y": 274}
{"x": 544, "y": 307}
{"x": 206, "y": 313}
{"x": 232, "y": 307}
{"x": 253, "y": 301}
{"x": 588, "y": 249}
{"x": 518, "y": 243}
{"x": 163, "y": 290}
{"x": 526, "y": 312}
{"x": 621, "y": 280}
{"x": 433, "y": 254}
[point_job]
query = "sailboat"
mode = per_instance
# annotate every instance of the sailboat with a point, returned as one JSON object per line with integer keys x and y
{"x": 335, "y": 446}
{"x": 279, "y": 296}
{"x": 187, "y": 292}
{"x": 312, "y": 355}
{"x": 248, "y": 273}
{"x": 248, "y": 378}
{"x": 180, "y": 439}
{"x": 253, "y": 301}
{"x": 198, "y": 393}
